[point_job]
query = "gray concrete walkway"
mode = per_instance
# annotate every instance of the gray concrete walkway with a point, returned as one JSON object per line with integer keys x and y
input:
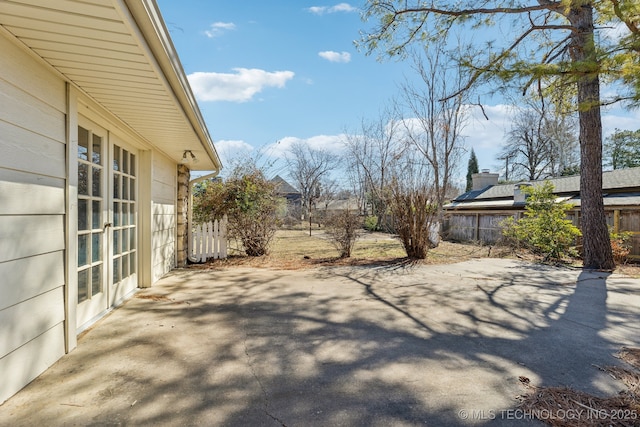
{"x": 386, "y": 346}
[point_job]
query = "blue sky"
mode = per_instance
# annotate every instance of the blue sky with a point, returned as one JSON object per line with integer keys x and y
{"x": 270, "y": 73}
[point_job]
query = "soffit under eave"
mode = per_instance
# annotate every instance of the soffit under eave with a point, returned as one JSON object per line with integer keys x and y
{"x": 98, "y": 48}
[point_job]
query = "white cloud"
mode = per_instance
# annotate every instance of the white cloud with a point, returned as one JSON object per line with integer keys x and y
{"x": 619, "y": 118}
{"x": 332, "y": 143}
{"x": 332, "y": 56}
{"x": 217, "y": 28}
{"x": 238, "y": 87}
{"x": 487, "y": 136}
{"x": 487, "y": 132}
{"x": 230, "y": 150}
{"x": 341, "y": 7}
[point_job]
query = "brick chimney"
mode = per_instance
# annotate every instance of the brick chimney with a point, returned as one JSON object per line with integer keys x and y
{"x": 518, "y": 196}
{"x": 484, "y": 179}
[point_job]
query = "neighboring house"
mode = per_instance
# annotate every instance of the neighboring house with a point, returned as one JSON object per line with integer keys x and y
{"x": 97, "y": 128}
{"x": 339, "y": 205}
{"x": 476, "y": 215}
{"x": 286, "y": 190}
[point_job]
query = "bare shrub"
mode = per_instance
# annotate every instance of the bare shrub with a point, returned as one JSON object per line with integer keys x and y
{"x": 343, "y": 229}
{"x": 414, "y": 213}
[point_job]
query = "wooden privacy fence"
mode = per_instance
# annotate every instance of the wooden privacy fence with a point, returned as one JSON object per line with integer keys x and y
{"x": 485, "y": 227}
{"x": 209, "y": 240}
{"x": 474, "y": 227}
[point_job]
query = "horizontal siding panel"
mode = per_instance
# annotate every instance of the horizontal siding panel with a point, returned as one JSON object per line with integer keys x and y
{"x": 164, "y": 170}
{"x": 28, "y": 112}
{"x": 163, "y": 238}
{"x": 30, "y": 235}
{"x": 46, "y": 195}
{"x": 163, "y": 193}
{"x": 163, "y": 261}
{"x": 26, "y": 73}
{"x": 163, "y": 209}
{"x": 164, "y": 222}
{"x": 30, "y": 360}
{"x": 25, "y": 321}
{"x": 28, "y": 277}
{"x": 29, "y": 152}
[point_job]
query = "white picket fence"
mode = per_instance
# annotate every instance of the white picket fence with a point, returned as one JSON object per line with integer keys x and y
{"x": 209, "y": 240}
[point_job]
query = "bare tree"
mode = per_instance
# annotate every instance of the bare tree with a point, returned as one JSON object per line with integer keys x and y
{"x": 562, "y": 130}
{"x": 328, "y": 191}
{"x": 307, "y": 167}
{"x": 541, "y": 143}
{"x": 371, "y": 152}
{"x": 526, "y": 152}
{"x": 437, "y": 119}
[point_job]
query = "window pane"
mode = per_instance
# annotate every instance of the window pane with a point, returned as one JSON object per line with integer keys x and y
{"x": 125, "y": 213}
{"x": 83, "y": 214}
{"x": 132, "y": 189}
{"x": 116, "y": 186}
{"x": 96, "y": 279}
{"x": 125, "y": 188}
{"x": 116, "y": 270}
{"x": 96, "y": 214}
{"x": 132, "y": 165}
{"x": 83, "y": 143}
{"x": 132, "y": 211}
{"x": 83, "y": 179}
{"x": 125, "y": 266}
{"x": 125, "y": 161}
{"x": 83, "y": 249}
{"x": 125, "y": 240}
{"x": 96, "y": 154}
{"x": 116, "y": 242}
{"x": 132, "y": 263}
{"x": 96, "y": 182}
{"x": 83, "y": 285}
{"x": 132, "y": 239}
{"x": 96, "y": 247}
{"x": 116, "y": 158}
{"x": 116, "y": 214}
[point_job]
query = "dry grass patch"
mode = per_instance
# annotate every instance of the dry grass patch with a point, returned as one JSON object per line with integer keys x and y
{"x": 295, "y": 249}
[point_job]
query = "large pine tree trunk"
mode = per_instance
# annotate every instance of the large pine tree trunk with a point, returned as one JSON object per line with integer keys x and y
{"x": 597, "y": 246}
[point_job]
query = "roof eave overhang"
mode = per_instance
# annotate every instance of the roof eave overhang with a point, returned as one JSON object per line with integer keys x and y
{"x": 155, "y": 33}
{"x": 119, "y": 54}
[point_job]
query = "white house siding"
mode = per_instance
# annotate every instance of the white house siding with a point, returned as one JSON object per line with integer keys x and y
{"x": 32, "y": 217}
{"x": 163, "y": 199}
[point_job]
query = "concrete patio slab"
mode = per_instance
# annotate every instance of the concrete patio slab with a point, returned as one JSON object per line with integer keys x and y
{"x": 347, "y": 346}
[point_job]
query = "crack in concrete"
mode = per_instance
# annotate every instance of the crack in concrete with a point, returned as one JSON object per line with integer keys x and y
{"x": 255, "y": 375}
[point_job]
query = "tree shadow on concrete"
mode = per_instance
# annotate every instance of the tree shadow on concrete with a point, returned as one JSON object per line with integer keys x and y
{"x": 356, "y": 346}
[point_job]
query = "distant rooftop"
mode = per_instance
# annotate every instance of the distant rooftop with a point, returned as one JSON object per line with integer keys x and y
{"x": 616, "y": 180}
{"x": 283, "y": 186}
